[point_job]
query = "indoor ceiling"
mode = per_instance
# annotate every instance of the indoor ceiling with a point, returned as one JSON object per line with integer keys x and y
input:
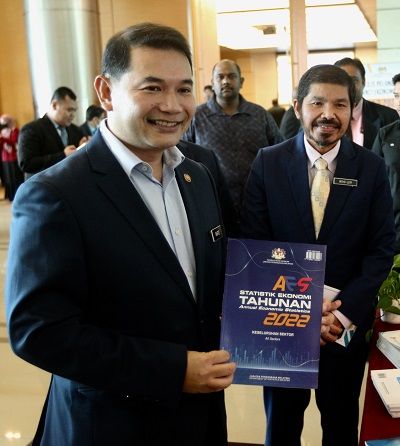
{"x": 265, "y": 24}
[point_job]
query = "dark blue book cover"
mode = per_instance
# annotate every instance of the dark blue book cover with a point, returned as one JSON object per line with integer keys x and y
{"x": 271, "y": 315}
{"x": 384, "y": 442}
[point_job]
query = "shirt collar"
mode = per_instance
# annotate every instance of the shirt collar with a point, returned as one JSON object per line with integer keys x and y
{"x": 313, "y": 154}
{"x": 215, "y": 108}
{"x": 172, "y": 156}
{"x": 56, "y": 125}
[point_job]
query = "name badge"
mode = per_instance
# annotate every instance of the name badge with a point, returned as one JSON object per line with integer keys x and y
{"x": 345, "y": 182}
{"x": 217, "y": 233}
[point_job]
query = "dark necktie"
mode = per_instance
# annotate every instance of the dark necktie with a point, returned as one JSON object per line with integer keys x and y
{"x": 63, "y": 134}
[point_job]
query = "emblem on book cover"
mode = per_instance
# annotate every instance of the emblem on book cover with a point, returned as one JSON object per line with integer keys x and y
{"x": 278, "y": 254}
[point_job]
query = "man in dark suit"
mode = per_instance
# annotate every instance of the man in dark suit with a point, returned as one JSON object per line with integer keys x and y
{"x": 116, "y": 266}
{"x": 387, "y": 145}
{"x": 290, "y": 125}
{"x": 368, "y": 117}
{"x": 356, "y": 226}
{"x": 277, "y": 111}
{"x": 53, "y": 137}
{"x": 94, "y": 115}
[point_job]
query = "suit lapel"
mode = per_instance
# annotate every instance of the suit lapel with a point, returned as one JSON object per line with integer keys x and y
{"x": 189, "y": 189}
{"x": 346, "y": 167}
{"x": 115, "y": 184}
{"x": 297, "y": 172}
{"x": 51, "y": 130}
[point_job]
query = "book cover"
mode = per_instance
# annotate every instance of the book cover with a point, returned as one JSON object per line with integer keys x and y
{"x": 271, "y": 317}
{"x": 393, "y": 337}
{"x": 389, "y": 350}
{"x": 387, "y": 383}
{"x": 384, "y": 442}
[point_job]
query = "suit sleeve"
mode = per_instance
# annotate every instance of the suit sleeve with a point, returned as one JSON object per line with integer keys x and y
{"x": 32, "y": 156}
{"x": 377, "y": 146}
{"x": 359, "y": 293}
{"x": 47, "y": 297}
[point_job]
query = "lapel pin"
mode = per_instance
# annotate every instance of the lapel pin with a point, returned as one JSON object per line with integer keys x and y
{"x": 187, "y": 177}
{"x": 216, "y": 233}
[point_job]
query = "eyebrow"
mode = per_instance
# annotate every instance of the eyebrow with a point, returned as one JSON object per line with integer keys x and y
{"x": 322, "y": 98}
{"x": 159, "y": 80}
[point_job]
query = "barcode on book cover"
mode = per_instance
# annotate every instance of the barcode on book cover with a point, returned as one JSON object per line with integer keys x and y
{"x": 315, "y": 256}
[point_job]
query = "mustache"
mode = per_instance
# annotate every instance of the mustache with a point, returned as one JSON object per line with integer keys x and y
{"x": 331, "y": 122}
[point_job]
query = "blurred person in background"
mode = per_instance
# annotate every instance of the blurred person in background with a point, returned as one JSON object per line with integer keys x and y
{"x": 277, "y": 112}
{"x": 94, "y": 115}
{"x": 368, "y": 117}
{"x": 387, "y": 145}
{"x": 50, "y": 139}
{"x": 12, "y": 175}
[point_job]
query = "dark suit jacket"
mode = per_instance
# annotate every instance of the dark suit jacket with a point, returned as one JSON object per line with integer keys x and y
{"x": 357, "y": 227}
{"x": 375, "y": 116}
{"x": 387, "y": 145}
{"x": 97, "y": 297}
{"x": 210, "y": 160}
{"x": 40, "y": 145}
{"x": 290, "y": 125}
{"x": 86, "y": 130}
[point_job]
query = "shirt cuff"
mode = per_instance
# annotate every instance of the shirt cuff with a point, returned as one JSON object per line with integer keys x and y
{"x": 346, "y": 322}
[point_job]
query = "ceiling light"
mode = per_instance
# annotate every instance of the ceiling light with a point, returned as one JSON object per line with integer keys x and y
{"x": 241, "y": 30}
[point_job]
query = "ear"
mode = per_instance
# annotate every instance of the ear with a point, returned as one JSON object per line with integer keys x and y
{"x": 54, "y": 104}
{"x": 103, "y": 88}
{"x": 296, "y": 107}
{"x": 241, "y": 82}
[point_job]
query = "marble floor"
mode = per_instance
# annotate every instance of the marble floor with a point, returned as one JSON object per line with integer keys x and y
{"x": 23, "y": 387}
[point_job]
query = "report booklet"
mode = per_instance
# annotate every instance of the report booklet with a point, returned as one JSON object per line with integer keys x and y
{"x": 384, "y": 442}
{"x": 271, "y": 315}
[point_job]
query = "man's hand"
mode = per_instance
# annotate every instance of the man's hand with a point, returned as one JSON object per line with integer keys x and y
{"x": 208, "y": 372}
{"x": 69, "y": 150}
{"x": 331, "y": 328}
{"x": 83, "y": 140}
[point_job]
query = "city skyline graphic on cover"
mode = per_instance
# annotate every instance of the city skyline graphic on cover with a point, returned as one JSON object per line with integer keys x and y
{"x": 271, "y": 314}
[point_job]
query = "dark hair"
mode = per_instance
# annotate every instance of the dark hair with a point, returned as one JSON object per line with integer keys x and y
{"x": 61, "y": 93}
{"x": 230, "y": 61}
{"x": 325, "y": 74}
{"x": 396, "y": 79}
{"x": 117, "y": 54}
{"x": 207, "y": 87}
{"x": 94, "y": 111}
{"x": 356, "y": 63}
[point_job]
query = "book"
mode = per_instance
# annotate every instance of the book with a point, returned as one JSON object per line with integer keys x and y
{"x": 387, "y": 384}
{"x": 271, "y": 316}
{"x": 389, "y": 344}
{"x": 384, "y": 442}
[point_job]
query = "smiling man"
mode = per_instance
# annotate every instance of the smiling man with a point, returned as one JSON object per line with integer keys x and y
{"x": 116, "y": 266}
{"x": 320, "y": 187}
